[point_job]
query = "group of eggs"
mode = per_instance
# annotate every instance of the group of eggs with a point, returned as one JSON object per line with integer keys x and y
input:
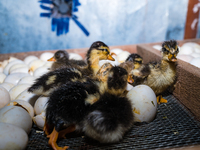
{"x": 19, "y": 108}
{"x": 188, "y": 52}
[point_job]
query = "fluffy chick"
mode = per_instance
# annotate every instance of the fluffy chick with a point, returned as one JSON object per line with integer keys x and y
{"x": 111, "y": 116}
{"x": 61, "y": 59}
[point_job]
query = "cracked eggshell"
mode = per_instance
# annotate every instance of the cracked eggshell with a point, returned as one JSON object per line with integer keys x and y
{"x": 7, "y": 85}
{"x": 12, "y": 137}
{"x": 28, "y": 97}
{"x": 18, "y": 89}
{"x": 4, "y": 97}
{"x": 144, "y": 103}
{"x": 33, "y": 65}
{"x": 39, "y": 120}
{"x": 40, "y": 105}
{"x": 40, "y": 71}
{"x": 2, "y": 77}
{"x": 21, "y": 70}
{"x": 17, "y": 116}
{"x": 15, "y": 77}
{"x": 29, "y": 58}
{"x": 46, "y": 55}
{"x": 24, "y": 104}
{"x": 27, "y": 80}
{"x": 121, "y": 57}
{"x": 75, "y": 56}
{"x": 116, "y": 51}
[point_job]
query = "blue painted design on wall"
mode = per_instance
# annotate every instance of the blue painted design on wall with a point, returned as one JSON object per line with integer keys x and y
{"x": 61, "y": 12}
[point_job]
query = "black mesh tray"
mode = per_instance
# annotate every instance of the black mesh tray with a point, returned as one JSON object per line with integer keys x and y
{"x": 173, "y": 127}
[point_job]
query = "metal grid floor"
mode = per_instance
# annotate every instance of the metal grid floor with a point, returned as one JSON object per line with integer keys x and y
{"x": 173, "y": 127}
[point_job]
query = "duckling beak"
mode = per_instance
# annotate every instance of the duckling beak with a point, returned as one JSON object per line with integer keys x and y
{"x": 110, "y": 57}
{"x": 130, "y": 79}
{"x": 51, "y": 59}
{"x": 172, "y": 58}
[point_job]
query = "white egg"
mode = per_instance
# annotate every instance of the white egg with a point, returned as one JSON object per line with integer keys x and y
{"x": 9, "y": 65}
{"x": 158, "y": 47}
{"x": 7, "y": 85}
{"x": 23, "y": 104}
{"x": 4, "y": 63}
{"x": 33, "y": 65}
{"x": 27, "y": 80}
{"x": 12, "y": 59}
{"x": 30, "y": 58}
{"x": 18, "y": 89}
{"x": 116, "y": 51}
{"x": 15, "y": 77}
{"x": 16, "y": 66}
{"x": 40, "y": 105}
{"x": 12, "y": 137}
{"x": 121, "y": 57}
{"x": 28, "y": 97}
{"x": 75, "y": 56}
{"x": 46, "y": 55}
{"x": 144, "y": 103}
{"x": 17, "y": 116}
{"x": 39, "y": 120}
{"x": 40, "y": 71}
{"x": 21, "y": 70}
{"x": 195, "y": 62}
{"x": 2, "y": 77}
{"x": 1, "y": 67}
{"x": 195, "y": 55}
{"x": 129, "y": 87}
{"x": 186, "y": 58}
{"x": 48, "y": 64}
{"x": 186, "y": 50}
{"x": 4, "y": 97}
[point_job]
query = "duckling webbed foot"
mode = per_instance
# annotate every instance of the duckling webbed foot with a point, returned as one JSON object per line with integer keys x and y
{"x": 160, "y": 99}
{"x": 70, "y": 129}
{"x": 52, "y": 141}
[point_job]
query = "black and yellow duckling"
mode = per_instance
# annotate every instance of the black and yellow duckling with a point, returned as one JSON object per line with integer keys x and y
{"x": 45, "y": 84}
{"x": 61, "y": 59}
{"x": 111, "y": 116}
{"x": 163, "y": 74}
{"x": 66, "y": 107}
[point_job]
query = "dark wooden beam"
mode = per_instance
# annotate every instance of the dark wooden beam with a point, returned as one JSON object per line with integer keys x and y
{"x": 191, "y": 26}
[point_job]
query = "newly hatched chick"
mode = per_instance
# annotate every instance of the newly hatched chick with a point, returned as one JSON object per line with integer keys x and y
{"x": 111, "y": 116}
{"x": 163, "y": 74}
{"x": 66, "y": 107}
{"x": 140, "y": 71}
{"x": 45, "y": 84}
{"x": 61, "y": 59}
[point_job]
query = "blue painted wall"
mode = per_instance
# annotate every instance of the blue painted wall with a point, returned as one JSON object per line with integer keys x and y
{"x": 116, "y": 22}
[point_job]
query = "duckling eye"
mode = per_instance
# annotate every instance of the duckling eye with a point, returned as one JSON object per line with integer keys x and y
{"x": 57, "y": 55}
{"x": 105, "y": 50}
{"x": 165, "y": 50}
{"x": 177, "y": 50}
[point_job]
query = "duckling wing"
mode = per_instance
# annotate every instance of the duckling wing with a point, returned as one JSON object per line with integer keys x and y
{"x": 50, "y": 81}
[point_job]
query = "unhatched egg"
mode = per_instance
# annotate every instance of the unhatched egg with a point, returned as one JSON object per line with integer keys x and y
{"x": 33, "y": 65}
{"x": 7, "y": 85}
{"x": 17, "y": 116}
{"x": 116, "y": 51}
{"x": 15, "y": 77}
{"x": 46, "y": 55}
{"x": 12, "y": 137}
{"x": 75, "y": 56}
{"x": 40, "y": 71}
{"x": 40, "y": 105}
{"x": 2, "y": 77}
{"x": 9, "y": 65}
{"x": 27, "y": 80}
{"x": 144, "y": 103}
{"x": 4, "y": 97}
{"x": 16, "y": 90}
{"x": 29, "y": 58}
{"x": 121, "y": 57}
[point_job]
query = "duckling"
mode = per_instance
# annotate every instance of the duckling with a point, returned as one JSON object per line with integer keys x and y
{"x": 45, "y": 84}
{"x": 66, "y": 107}
{"x": 111, "y": 116}
{"x": 61, "y": 59}
{"x": 163, "y": 74}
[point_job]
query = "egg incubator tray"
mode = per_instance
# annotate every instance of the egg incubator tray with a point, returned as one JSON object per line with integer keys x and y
{"x": 173, "y": 127}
